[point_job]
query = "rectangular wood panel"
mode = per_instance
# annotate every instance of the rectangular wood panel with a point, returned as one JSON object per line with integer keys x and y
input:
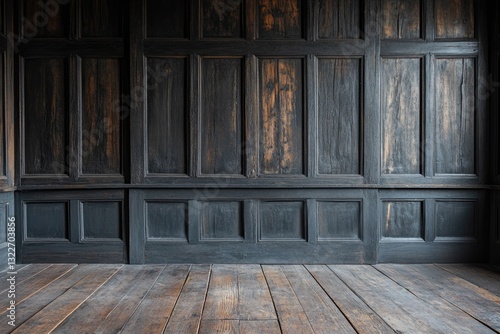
{"x": 102, "y": 220}
{"x": 282, "y": 221}
{"x": 45, "y": 116}
{"x": 167, "y": 115}
{"x": 222, "y": 221}
{"x": 221, "y": 116}
{"x": 402, "y": 116}
{"x": 281, "y": 116}
{"x": 339, "y": 108}
{"x": 46, "y": 221}
{"x": 339, "y": 19}
{"x": 46, "y": 19}
{"x": 455, "y": 112}
{"x": 403, "y": 220}
{"x": 166, "y": 221}
{"x": 454, "y": 18}
{"x": 280, "y": 19}
{"x": 401, "y": 19}
{"x": 455, "y": 220}
{"x": 223, "y": 18}
{"x": 167, "y": 19}
{"x": 339, "y": 220}
{"x": 101, "y": 117}
{"x": 101, "y": 18}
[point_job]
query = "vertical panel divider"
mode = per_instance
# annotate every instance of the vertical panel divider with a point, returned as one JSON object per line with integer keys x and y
{"x": 137, "y": 226}
{"x": 250, "y": 221}
{"x": 75, "y": 23}
{"x": 75, "y": 221}
{"x": 312, "y": 221}
{"x": 430, "y": 116}
{"x": 194, "y": 118}
{"x": 482, "y": 160}
{"x": 194, "y": 20}
{"x": 251, "y": 19}
{"x": 429, "y": 220}
{"x": 371, "y": 207}
{"x": 310, "y": 21}
{"x": 194, "y": 213}
{"x": 10, "y": 137}
{"x": 429, "y": 20}
{"x": 251, "y": 125}
{"x": 74, "y": 152}
{"x": 312, "y": 115}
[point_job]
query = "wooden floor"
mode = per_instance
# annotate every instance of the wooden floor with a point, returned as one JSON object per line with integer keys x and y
{"x": 66, "y": 298}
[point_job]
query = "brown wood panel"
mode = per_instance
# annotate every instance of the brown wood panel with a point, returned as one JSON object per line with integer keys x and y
{"x": 281, "y": 116}
{"x": 166, "y": 221}
{"x": 339, "y": 118}
{"x": 167, "y": 18}
{"x": 222, "y": 18}
{"x": 455, "y": 112}
{"x": 46, "y": 19}
{"x": 339, "y": 19}
{"x": 102, "y": 220}
{"x": 280, "y": 19}
{"x": 167, "y": 115}
{"x": 402, "y": 116}
{"x": 45, "y": 116}
{"x": 101, "y": 18}
{"x": 454, "y": 18}
{"x": 101, "y": 117}
{"x": 402, "y": 220}
{"x": 282, "y": 221}
{"x": 222, "y": 116}
{"x": 222, "y": 221}
{"x": 47, "y": 221}
{"x": 455, "y": 219}
{"x": 401, "y": 19}
{"x": 339, "y": 220}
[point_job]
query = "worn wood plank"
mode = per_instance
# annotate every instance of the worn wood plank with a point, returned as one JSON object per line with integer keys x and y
{"x": 291, "y": 315}
{"x": 454, "y": 18}
{"x": 401, "y": 19}
{"x": 163, "y": 296}
{"x": 486, "y": 279}
{"x": 280, "y": 19}
{"x": 222, "y": 18}
{"x": 255, "y": 302}
{"x": 219, "y": 326}
{"x": 222, "y": 297}
{"x": 261, "y": 326}
{"x": 239, "y": 326}
{"x": 186, "y": 315}
{"x": 339, "y": 19}
{"x": 22, "y": 274}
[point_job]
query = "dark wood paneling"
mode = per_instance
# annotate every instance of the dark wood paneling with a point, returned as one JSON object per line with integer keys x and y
{"x": 455, "y": 220}
{"x": 401, "y": 19}
{"x": 166, "y": 221}
{"x": 2, "y": 18}
{"x": 167, "y": 115}
{"x": 46, "y": 18}
{"x": 280, "y": 19}
{"x": 339, "y": 93}
{"x": 222, "y": 18}
{"x": 455, "y": 112}
{"x": 167, "y": 18}
{"x": 339, "y": 220}
{"x": 454, "y": 18}
{"x": 402, "y": 116}
{"x": 3, "y": 137}
{"x": 101, "y": 18}
{"x": 4, "y": 215}
{"x": 45, "y": 116}
{"x": 282, "y": 221}
{"x": 221, "y": 116}
{"x": 403, "y": 220}
{"x": 102, "y": 220}
{"x": 46, "y": 221}
{"x": 221, "y": 221}
{"x": 281, "y": 116}
{"x": 339, "y": 19}
{"x": 101, "y": 118}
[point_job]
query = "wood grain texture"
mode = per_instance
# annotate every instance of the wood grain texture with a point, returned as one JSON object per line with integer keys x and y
{"x": 339, "y": 220}
{"x": 280, "y": 19}
{"x": 46, "y": 116}
{"x": 339, "y": 19}
{"x": 456, "y": 220}
{"x": 46, "y": 19}
{"x": 222, "y": 116}
{"x": 101, "y": 118}
{"x": 402, "y": 116}
{"x": 222, "y": 221}
{"x": 167, "y": 18}
{"x": 339, "y": 117}
{"x": 222, "y": 296}
{"x": 101, "y": 18}
{"x": 455, "y": 112}
{"x": 281, "y": 117}
{"x": 47, "y": 221}
{"x": 401, "y": 19}
{"x": 167, "y": 115}
{"x": 166, "y": 221}
{"x": 455, "y": 18}
{"x": 476, "y": 274}
{"x": 223, "y": 18}
{"x": 403, "y": 220}
{"x": 282, "y": 220}
{"x": 102, "y": 220}
{"x": 3, "y": 134}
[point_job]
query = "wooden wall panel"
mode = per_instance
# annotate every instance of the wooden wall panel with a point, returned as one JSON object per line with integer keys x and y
{"x": 221, "y": 221}
{"x": 455, "y": 220}
{"x": 282, "y": 221}
{"x": 401, "y": 19}
{"x": 101, "y": 117}
{"x": 4, "y": 215}
{"x": 167, "y": 115}
{"x": 281, "y": 19}
{"x": 166, "y": 221}
{"x": 3, "y": 118}
{"x": 402, "y": 116}
{"x": 454, "y": 18}
{"x": 46, "y": 19}
{"x": 45, "y": 116}
{"x": 102, "y": 220}
{"x": 403, "y": 220}
{"x": 281, "y": 116}
{"x": 101, "y": 18}
{"x": 339, "y": 220}
{"x": 456, "y": 116}
{"x": 339, "y": 19}
{"x": 46, "y": 221}
{"x": 339, "y": 108}
{"x": 222, "y": 116}
{"x": 167, "y": 18}
{"x": 222, "y": 18}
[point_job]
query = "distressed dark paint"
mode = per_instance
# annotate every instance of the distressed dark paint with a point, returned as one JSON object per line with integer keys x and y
{"x": 401, "y": 19}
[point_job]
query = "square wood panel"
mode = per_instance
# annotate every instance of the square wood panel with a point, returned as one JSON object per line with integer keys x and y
{"x": 282, "y": 221}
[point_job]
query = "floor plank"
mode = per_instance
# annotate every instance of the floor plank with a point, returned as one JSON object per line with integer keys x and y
{"x": 209, "y": 326}
{"x": 255, "y": 302}
{"x": 222, "y": 296}
{"x": 260, "y": 326}
{"x": 23, "y": 274}
{"x": 239, "y": 327}
{"x": 477, "y": 275}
